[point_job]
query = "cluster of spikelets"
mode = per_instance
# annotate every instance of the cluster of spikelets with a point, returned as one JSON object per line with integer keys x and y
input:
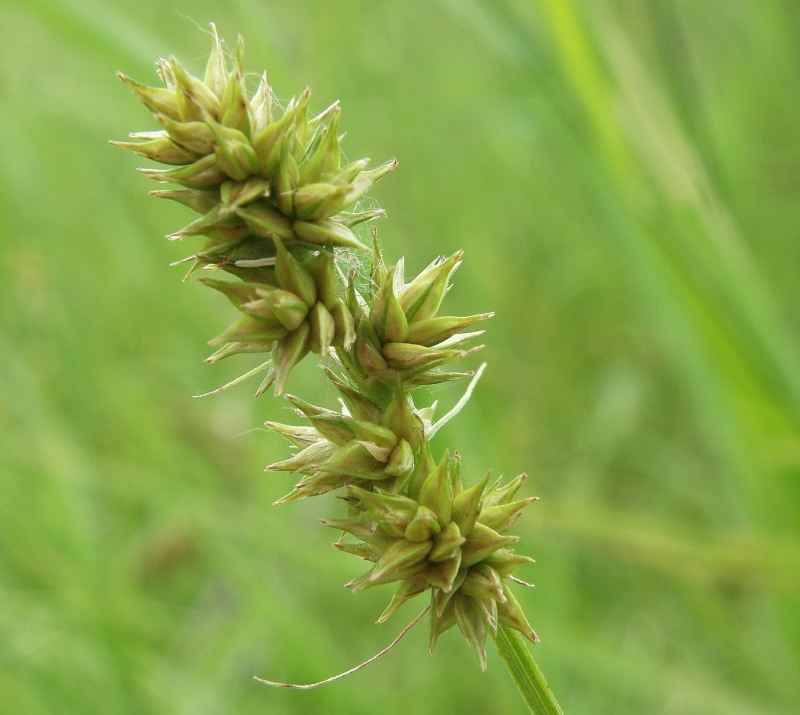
{"x": 273, "y": 197}
{"x": 276, "y": 210}
{"x": 410, "y": 517}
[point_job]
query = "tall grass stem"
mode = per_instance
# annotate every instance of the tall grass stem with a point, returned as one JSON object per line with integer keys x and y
{"x": 523, "y": 668}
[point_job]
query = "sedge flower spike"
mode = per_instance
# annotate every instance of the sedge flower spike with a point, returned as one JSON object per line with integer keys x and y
{"x": 277, "y": 206}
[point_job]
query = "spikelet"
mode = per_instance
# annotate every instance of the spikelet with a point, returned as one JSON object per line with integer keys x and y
{"x": 398, "y": 335}
{"x": 435, "y": 535}
{"x": 373, "y": 446}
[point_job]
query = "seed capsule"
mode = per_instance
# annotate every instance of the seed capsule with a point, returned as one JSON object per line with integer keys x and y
{"x": 327, "y": 233}
{"x": 323, "y": 329}
{"x": 156, "y": 99}
{"x": 294, "y": 277}
{"x": 201, "y": 174}
{"x": 422, "y": 297}
{"x": 195, "y": 137}
{"x": 263, "y": 219}
{"x": 288, "y": 308}
{"x": 234, "y": 154}
{"x": 161, "y": 149}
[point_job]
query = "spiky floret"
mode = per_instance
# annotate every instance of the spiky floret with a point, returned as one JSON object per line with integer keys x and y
{"x": 247, "y": 165}
{"x": 437, "y": 536}
{"x": 362, "y": 445}
{"x": 299, "y": 311}
{"x": 399, "y": 336}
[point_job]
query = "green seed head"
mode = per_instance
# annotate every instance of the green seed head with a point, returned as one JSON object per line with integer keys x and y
{"x": 443, "y": 539}
{"x": 375, "y": 448}
{"x": 398, "y": 335}
{"x": 213, "y": 132}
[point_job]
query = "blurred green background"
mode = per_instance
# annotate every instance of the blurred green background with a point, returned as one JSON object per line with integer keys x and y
{"x": 625, "y": 180}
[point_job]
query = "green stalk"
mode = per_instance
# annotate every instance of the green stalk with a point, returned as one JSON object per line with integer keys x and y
{"x": 529, "y": 679}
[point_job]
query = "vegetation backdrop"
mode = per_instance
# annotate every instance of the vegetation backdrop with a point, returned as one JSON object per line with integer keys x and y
{"x": 624, "y": 178}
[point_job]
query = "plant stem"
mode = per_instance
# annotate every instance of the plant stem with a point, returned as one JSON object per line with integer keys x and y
{"x": 529, "y": 679}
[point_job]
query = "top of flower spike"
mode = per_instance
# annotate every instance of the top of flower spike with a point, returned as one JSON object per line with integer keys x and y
{"x": 274, "y": 199}
{"x": 249, "y": 166}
